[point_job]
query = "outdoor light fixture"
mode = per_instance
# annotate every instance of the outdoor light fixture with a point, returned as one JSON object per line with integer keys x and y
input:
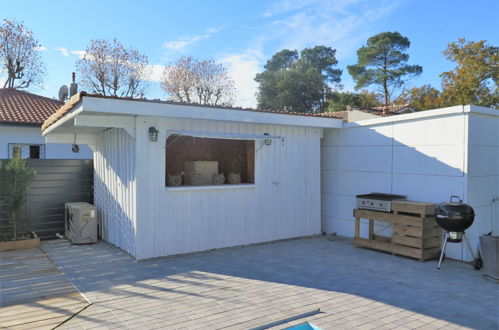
{"x": 153, "y": 134}
{"x": 267, "y": 142}
{"x": 75, "y": 148}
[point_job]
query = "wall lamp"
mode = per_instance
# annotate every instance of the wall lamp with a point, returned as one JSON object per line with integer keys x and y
{"x": 153, "y": 134}
{"x": 75, "y": 148}
{"x": 267, "y": 142}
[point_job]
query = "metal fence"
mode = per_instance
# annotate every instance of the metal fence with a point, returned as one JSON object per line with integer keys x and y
{"x": 56, "y": 182}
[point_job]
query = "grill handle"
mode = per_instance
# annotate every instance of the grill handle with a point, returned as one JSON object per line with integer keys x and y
{"x": 458, "y": 198}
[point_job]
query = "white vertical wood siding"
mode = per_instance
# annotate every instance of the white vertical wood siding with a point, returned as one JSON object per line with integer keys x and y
{"x": 483, "y": 175}
{"x": 423, "y": 158}
{"x": 284, "y": 202}
{"x": 114, "y": 187}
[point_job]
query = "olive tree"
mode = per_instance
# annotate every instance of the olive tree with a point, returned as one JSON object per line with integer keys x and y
{"x": 15, "y": 178}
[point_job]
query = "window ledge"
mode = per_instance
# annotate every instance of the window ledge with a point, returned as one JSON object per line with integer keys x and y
{"x": 212, "y": 187}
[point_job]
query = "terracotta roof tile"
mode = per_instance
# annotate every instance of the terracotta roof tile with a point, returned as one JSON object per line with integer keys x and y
{"x": 77, "y": 97}
{"x": 20, "y": 107}
{"x": 335, "y": 114}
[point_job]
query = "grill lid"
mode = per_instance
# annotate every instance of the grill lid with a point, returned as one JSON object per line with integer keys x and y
{"x": 454, "y": 209}
{"x": 454, "y": 216}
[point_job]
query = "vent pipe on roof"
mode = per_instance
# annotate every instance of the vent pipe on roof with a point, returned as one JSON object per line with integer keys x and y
{"x": 73, "y": 89}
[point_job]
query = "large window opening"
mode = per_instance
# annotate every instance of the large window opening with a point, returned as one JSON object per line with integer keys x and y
{"x": 209, "y": 161}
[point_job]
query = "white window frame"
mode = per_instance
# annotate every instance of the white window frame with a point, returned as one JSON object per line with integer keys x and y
{"x": 222, "y": 136}
{"x": 25, "y": 149}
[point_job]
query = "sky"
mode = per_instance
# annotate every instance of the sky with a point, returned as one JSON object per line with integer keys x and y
{"x": 245, "y": 34}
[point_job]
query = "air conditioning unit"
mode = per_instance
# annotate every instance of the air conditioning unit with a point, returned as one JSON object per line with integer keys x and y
{"x": 81, "y": 223}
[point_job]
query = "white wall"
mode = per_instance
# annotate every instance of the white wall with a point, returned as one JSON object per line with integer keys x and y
{"x": 115, "y": 186}
{"x": 357, "y": 115}
{"x": 32, "y": 135}
{"x": 423, "y": 158}
{"x": 483, "y": 173}
{"x": 284, "y": 202}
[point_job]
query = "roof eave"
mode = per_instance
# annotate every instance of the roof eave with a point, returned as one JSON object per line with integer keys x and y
{"x": 129, "y": 107}
{"x": 115, "y": 106}
{"x": 75, "y": 111}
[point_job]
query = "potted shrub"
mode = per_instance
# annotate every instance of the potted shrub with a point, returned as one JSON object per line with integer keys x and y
{"x": 15, "y": 178}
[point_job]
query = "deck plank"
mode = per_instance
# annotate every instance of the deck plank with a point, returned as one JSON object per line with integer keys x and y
{"x": 34, "y": 293}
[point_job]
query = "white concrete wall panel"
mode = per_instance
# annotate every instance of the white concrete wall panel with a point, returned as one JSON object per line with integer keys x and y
{"x": 428, "y": 188}
{"x": 365, "y": 158}
{"x": 483, "y": 175}
{"x": 432, "y": 131}
{"x": 329, "y": 158}
{"x": 429, "y": 160}
{"x": 356, "y": 135}
{"x": 352, "y": 183}
{"x": 422, "y": 158}
{"x": 482, "y": 160}
{"x": 483, "y": 130}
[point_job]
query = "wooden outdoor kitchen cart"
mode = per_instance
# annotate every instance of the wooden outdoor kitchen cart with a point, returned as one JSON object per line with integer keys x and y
{"x": 415, "y": 232}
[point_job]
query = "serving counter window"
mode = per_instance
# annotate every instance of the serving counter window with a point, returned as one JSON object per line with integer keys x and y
{"x": 201, "y": 161}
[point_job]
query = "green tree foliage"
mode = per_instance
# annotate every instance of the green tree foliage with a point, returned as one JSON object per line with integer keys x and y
{"x": 383, "y": 63}
{"x": 340, "y": 101}
{"x": 15, "y": 177}
{"x": 323, "y": 59}
{"x": 298, "y": 82}
{"x": 282, "y": 60}
{"x": 422, "y": 98}
{"x": 475, "y": 78}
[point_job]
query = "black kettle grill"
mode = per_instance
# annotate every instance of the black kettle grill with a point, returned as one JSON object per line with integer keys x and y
{"x": 455, "y": 217}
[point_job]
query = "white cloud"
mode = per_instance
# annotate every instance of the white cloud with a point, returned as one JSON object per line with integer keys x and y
{"x": 155, "y": 72}
{"x": 213, "y": 30}
{"x": 40, "y": 49}
{"x": 341, "y": 24}
{"x": 186, "y": 41}
{"x": 64, "y": 51}
{"x": 242, "y": 68}
{"x": 79, "y": 53}
{"x": 284, "y": 6}
{"x": 180, "y": 44}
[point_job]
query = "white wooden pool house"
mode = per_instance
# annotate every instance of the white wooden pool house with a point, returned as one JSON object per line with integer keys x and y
{"x": 277, "y": 156}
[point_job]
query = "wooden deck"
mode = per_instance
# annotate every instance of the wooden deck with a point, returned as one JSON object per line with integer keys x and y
{"x": 34, "y": 294}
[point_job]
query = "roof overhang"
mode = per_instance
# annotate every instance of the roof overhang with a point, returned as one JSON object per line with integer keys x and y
{"x": 89, "y": 114}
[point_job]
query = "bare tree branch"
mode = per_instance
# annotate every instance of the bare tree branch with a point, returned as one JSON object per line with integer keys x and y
{"x": 108, "y": 68}
{"x": 20, "y": 62}
{"x": 204, "y": 82}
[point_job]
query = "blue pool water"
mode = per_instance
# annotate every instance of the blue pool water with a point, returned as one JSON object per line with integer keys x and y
{"x": 304, "y": 326}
